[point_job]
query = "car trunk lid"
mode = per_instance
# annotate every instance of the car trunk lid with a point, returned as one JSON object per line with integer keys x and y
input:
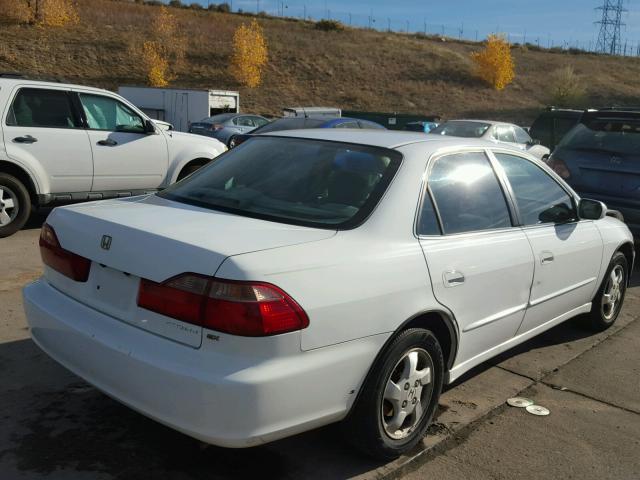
{"x": 157, "y": 239}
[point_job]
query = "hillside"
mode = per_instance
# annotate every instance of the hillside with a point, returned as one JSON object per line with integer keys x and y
{"x": 352, "y": 69}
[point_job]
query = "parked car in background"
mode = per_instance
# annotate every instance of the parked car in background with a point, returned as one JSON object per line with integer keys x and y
{"x": 505, "y": 133}
{"x": 297, "y": 123}
{"x": 65, "y": 143}
{"x": 314, "y": 276}
{"x": 226, "y": 125}
{"x": 425, "y": 127}
{"x": 600, "y": 158}
{"x": 553, "y": 124}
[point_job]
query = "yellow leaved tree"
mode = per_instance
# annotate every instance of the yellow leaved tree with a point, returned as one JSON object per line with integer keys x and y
{"x": 250, "y": 54}
{"x": 163, "y": 53}
{"x": 53, "y": 13}
{"x": 494, "y": 64}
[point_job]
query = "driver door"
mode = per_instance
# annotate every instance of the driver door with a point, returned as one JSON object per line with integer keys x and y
{"x": 125, "y": 158}
{"x": 567, "y": 251}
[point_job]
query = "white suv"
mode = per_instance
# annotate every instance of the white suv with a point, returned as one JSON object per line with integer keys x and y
{"x": 63, "y": 143}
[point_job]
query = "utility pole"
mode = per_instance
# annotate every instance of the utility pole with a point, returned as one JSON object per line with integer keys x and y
{"x": 388, "y": 24}
{"x": 257, "y": 7}
{"x": 407, "y": 26}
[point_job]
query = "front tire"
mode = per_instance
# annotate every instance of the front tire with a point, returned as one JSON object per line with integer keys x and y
{"x": 15, "y": 205}
{"x": 399, "y": 397}
{"x": 608, "y": 301}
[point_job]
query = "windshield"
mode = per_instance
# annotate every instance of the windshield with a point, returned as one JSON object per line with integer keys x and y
{"x": 611, "y": 135}
{"x": 300, "y": 181}
{"x": 459, "y": 128}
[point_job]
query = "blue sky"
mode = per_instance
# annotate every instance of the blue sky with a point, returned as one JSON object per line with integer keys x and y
{"x": 558, "y": 21}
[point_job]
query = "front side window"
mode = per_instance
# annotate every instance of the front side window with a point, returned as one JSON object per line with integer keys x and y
{"x": 521, "y": 135}
{"x": 105, "y": 113}
{"x": 290, "y": 180}
{"x": 539, "y": 197}
{"x": 35, "y": 107}
{"x": 467, "y": 194}
{"x": 504, "y": 133}
{"x": 259, "y": 121}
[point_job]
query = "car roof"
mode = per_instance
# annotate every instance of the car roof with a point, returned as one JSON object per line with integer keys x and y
{"x": 475, "y": 120}
{"x": 13, "y": 81}
{"x": 382, "y": 138}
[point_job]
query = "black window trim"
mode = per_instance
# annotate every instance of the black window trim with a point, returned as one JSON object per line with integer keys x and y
{"x": 85, "y": 121}
{"x": 78, "y": 114}
{"x": 425, "y": 189}
{"x": 574, "y": 200}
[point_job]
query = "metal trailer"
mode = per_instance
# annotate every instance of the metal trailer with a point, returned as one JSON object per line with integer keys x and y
{"x": 180, "y": 106}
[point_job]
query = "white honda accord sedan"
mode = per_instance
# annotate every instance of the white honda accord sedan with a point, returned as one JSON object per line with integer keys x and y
{"x": 318, "y": 276}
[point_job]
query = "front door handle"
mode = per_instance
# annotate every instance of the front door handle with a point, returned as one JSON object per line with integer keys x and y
{"x": 25, "y": 139}
{"x": 107, "y": 143}
{"x": 453, "y": 278}
{"x": 546, "y": 257}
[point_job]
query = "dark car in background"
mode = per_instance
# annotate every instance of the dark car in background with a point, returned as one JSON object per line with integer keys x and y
{"x": 297, "y": 123}
{"x": 600, "y": 159}
{"x": 223, "y": 126}
{"x": 553, "y": 124}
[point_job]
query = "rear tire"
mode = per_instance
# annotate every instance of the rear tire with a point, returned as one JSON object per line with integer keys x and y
{"x": 608, "y": 301}
{"x": 232, "y": 142}
{"x": 399, "y": 397}
{"x": 15, "y": 205}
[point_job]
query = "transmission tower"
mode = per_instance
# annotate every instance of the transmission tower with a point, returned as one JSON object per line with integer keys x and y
{"x": 609, "y": 38}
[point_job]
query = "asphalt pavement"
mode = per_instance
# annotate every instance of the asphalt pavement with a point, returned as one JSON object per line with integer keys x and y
{"x": 54, "y": 425}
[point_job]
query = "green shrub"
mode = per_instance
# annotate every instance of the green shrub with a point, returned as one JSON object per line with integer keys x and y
{"x": 329, "y": 26}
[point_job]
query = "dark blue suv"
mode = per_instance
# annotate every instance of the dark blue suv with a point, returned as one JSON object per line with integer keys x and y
{"x": 600, "y": 159}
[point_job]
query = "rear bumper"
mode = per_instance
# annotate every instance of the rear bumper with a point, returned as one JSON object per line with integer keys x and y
{"x": 216, "y": 393}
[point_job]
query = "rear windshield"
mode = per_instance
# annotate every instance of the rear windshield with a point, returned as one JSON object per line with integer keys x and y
{"x": 290, "y": 124}
{"x": 611, "y": 135}
{"x": 462, "y": 129}
{"x": 290, "y": 180}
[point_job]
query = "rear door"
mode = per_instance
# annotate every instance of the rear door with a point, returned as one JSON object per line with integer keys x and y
{"x": 125, "y": 158}
{"x": 41, "y": 127}
{"x": 567, "y": 251}
{"x": 481, "y": 266}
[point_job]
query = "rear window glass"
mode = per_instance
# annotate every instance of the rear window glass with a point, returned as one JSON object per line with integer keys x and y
{"x": 462, "y": 129}
{"x": 610, "y": 135}
{"x": 300, "y": 181}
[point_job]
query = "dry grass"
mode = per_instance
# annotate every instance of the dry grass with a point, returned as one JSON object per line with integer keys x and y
{"x": 353, "y": 69}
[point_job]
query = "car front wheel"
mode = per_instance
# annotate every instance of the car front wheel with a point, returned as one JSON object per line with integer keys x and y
{"x": 399, "y": 397}
{"x": 608, "y": 301}
{"x": 15, "y": 205}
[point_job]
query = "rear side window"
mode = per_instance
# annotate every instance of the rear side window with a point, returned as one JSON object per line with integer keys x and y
{"x": 504, "y": 133}
{"x": 467, "y": 194}
{"x": 539, "y": 197}
{"x": 521, "y": 135}
{"x": 105, "y": 113}
{"x": 35, "y": 107}
{"x": 290, "y": 180}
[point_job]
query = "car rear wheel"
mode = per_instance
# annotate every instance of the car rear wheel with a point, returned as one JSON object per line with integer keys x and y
{"x": 399, "y": 397}
{"x": 15, "y": 205}
{"x": 608, "y": 301}
{"x": 232, "y": 142}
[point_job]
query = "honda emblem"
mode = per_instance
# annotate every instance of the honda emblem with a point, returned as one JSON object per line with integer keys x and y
{"x": 106, "y": 242}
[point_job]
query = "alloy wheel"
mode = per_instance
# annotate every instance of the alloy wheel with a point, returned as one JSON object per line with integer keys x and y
{"x": 407, "y": 393}
{"x": 613, "y": 291}
{"x": 9, "y": 206}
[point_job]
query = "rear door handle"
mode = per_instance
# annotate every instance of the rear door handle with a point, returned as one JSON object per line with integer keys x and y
{"x": 107, "y": 143}
{"x": 453, "y": 278}
{"x": 546, "y": 257}
{"x": 25, "y": 139}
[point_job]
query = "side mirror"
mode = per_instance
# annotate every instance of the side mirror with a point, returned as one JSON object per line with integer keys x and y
{"x": 591, "y": 209}
{"x": 149, "y": 127}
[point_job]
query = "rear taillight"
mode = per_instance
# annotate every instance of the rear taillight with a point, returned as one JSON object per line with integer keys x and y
{"x": 61, "y": 260}
{"x": 559, "y": 167}
{"x": 251, "y": 309}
